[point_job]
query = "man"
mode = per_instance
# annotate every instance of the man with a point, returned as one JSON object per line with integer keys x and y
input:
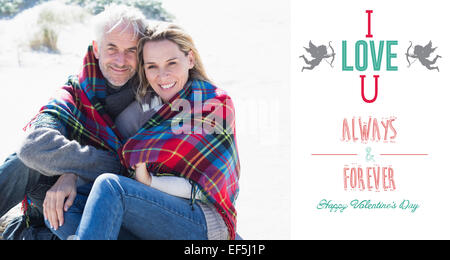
{"x": 48, "y": 155}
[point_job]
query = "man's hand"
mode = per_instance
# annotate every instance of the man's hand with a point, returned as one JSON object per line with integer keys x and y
{"x": 65, "y": 187}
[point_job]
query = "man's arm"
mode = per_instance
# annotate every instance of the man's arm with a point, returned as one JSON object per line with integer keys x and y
{"x": 47, "y": 150}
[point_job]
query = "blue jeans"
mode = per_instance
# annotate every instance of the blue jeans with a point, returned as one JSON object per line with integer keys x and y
{"x": 17, "y": 180}
{"x": 118, "y": 203}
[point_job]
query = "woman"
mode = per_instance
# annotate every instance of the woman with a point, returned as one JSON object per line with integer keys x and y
{"x": 186, "y": 152}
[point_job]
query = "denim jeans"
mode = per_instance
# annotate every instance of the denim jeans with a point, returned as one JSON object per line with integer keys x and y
{"x": 117, "y": 203}
{"x": 73, "y": 216}
{"x": 17, "y": 180}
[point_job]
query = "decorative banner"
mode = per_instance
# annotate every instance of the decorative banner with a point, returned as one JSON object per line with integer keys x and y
{"x": 369, "y": 125}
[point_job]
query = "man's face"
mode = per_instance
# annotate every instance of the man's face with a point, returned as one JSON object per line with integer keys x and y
{"x": 117, "y": 55}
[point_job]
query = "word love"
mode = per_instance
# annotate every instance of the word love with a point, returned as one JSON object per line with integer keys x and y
{"x": 362, "y": 55}
{"x": 371, "y": 130}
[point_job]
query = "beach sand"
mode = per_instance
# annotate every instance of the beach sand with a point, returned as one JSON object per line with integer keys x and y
{"x": 245, "y": 48}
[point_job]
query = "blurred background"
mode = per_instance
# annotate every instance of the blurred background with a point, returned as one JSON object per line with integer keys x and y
{"x": 244, "y": 46}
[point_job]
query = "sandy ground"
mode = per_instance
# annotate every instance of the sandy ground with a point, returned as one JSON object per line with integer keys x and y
{"x": 245, "y": 48}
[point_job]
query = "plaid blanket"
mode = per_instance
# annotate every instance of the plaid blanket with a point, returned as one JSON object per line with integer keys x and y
{"x": 191, "y": 136}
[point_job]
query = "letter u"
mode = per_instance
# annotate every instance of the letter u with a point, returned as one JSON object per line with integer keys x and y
{"x": 376, "y": 89}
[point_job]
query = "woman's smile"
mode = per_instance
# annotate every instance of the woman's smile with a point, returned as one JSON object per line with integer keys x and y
{"x": 168, "y": 85}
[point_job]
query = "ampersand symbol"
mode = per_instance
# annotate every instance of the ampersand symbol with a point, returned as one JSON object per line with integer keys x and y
{"x": 369, "y": 157}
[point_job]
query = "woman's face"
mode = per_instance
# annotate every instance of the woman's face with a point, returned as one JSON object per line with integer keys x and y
{"x": 166, "y": 67}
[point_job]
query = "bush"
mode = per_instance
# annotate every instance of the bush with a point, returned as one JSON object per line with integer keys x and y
{"x": 151, "y": 9}
{"x": 46, "y": 39}
{"x": 50, "y": 20}
{"x": 9, "y": 8}
{"x": 55, "y": 15}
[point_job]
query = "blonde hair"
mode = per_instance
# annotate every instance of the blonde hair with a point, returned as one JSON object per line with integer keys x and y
{"x": 174, "y": 33}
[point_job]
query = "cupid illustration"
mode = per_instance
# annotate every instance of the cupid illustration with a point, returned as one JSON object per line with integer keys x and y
{"x": 318, "y": 53}
{"x": 422, "y": 54}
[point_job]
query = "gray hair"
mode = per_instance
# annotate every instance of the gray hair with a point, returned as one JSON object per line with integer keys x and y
{"x": 115, "y": 15}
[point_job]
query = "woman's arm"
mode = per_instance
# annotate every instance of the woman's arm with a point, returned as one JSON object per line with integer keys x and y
{"x": 173, "y": 185}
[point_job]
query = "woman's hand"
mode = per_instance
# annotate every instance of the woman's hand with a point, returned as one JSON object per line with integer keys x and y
{"x": 142, "y": 174}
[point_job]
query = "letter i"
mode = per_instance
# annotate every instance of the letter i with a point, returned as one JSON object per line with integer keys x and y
{"x": 369, "y": 34}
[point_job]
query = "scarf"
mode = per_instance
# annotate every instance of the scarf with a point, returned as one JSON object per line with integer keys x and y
{"x": 191, "y": 136}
